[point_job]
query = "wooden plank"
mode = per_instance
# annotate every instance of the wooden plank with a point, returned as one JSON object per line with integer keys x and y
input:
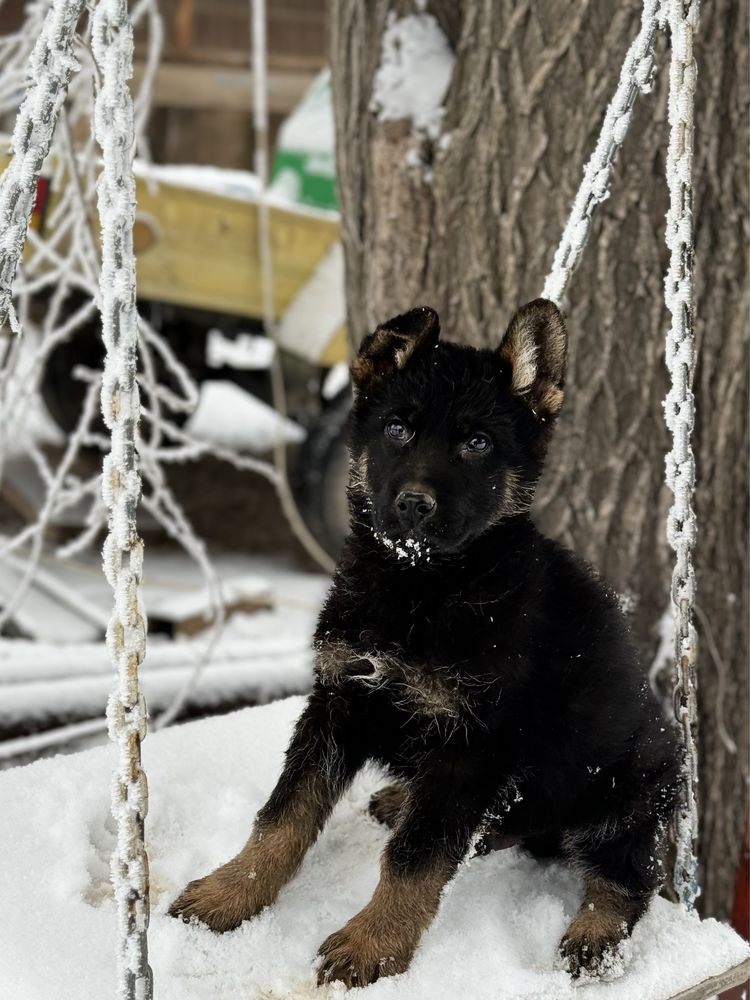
{"x": 204, "y": 251}
{"x": 735, "y": 976}
{"x": 199, "y": 249}
{"x": 220, "y": 58}
{"x": 193, "y": 85}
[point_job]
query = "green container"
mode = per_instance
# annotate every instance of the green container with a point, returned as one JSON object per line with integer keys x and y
{"x": 304, "y": 165}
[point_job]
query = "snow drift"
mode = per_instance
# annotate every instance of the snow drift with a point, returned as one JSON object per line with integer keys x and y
{"x": 495, "y": 936}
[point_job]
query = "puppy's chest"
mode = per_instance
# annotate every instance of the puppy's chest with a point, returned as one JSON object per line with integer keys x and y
{"x": 413, "y": 684}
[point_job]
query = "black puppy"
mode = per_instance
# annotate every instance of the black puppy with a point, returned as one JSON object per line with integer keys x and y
{"x": 484, "y": 665}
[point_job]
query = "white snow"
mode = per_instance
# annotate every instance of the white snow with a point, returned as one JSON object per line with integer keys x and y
{"x": 245, "y": 352}
{"x": 216, "y": 180}
{"x": 48, "y": 612}
{"x": 416, "y": 63}
{"x": 664, "y": 656}
{"x": 318, "y": 309}
{"x": 240, "y": 184}
{"x": 309, "y": 128}
{"x": 179, "y": 607}
{"x": 229, "y": 416}
{"x": 495, "y": 937}
{"x": 336, "y": 380}
{"x": 410, "y": 549}
{"x": 261, "y": 655}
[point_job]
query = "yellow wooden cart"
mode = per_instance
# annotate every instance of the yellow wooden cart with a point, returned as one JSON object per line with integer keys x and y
{"x": 196, "y": 246}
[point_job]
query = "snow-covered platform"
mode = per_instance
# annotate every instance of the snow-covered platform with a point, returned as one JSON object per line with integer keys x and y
{"x": 494, "y": 939}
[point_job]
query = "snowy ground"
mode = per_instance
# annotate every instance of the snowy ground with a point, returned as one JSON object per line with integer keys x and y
{"x": 495, "y": 936}
{"x": 261, "y": 655}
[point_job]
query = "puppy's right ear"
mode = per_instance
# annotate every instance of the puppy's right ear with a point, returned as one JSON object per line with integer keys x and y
{"x": 535, "y": 347}
{"x": 394, "y": 344}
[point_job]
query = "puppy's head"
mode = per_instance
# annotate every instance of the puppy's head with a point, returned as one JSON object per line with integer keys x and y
{"x": 445, "y": 440}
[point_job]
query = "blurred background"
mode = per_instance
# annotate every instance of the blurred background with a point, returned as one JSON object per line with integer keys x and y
{"x": 417, "y": 153}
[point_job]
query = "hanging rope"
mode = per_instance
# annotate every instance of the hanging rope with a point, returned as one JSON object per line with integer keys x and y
{"x": 112, "y": 39}
{"x": 635, "y": 76}
{"x": 679, "y": 410}
{"x": 278, "y": 391}
{"x": 681, "y": 16}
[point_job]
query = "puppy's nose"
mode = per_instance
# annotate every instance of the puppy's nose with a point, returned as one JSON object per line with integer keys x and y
{"x": 413, "y": 508}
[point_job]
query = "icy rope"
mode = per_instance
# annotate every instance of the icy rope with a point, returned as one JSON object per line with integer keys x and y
{"x": 50, "y": 68}
{"x": 258, "y": 21}
{"x": 635, "y": 76}
{"x": 681, "y": 16}
{"x": 112, "y": 39}
{"x": 679, "y": 410}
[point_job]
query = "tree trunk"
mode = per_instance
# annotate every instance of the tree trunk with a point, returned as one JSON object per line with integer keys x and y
{"x": 468, "y": 222}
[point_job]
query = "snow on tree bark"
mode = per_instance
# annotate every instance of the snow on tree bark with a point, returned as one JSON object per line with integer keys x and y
{"x": 112, "y": 40}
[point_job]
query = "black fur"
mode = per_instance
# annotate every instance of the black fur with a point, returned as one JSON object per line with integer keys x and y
{"x": 481, "y": 663}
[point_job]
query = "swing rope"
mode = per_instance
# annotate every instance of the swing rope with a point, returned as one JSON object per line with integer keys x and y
{"x": 112, "y": 40}
{"x": 681, "y": 17}
{"x": 635, "y": 76}
{"x": 679, "y": 409}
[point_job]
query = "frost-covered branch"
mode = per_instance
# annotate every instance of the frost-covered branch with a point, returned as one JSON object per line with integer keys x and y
{"x": 51, "y": 66}
{"x": 56, "y": 292}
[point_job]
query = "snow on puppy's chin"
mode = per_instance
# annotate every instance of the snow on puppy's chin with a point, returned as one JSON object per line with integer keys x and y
{"x": 411, "y": 549}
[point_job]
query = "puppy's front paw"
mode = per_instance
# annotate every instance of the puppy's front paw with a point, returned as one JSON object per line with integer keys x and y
{"x": 221, "y": 900}
{"x": 588, "y": 951}
{"x": 355, "y": 957}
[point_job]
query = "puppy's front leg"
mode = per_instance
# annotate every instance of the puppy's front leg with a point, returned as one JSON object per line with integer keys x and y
{"x": 433, "y": 833}
{"x": 319, "y": 765}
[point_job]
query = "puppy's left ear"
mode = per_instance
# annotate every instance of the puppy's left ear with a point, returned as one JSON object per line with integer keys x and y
{"x": 394, "y": 343}
{"x": 535, "y": 346}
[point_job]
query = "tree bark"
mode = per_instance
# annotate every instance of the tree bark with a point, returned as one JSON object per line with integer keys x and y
{"x": 468, "y": 223}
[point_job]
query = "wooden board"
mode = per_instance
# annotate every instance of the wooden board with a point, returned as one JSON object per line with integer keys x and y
{"x": 191, "y": 85}
{"x": 204, "y": 250}
{"x": 199, "y": 249}
{"x": 735, "y": 976}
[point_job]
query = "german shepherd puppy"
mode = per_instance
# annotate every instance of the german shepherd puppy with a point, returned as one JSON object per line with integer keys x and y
{"x": 485, "y": 666}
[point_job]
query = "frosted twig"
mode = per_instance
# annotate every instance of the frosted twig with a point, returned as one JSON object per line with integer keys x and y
{"x": 52, "y": 64}
{"x": 35, "y": 532}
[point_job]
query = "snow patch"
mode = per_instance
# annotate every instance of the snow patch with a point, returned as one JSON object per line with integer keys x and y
{"x": 245, "y": 352}
{"x": 229, "y": 416}
{"x": 416, "y": 64}
{"x": 336, "y": 380}
{"x": 310, "y": 126}
{"x": 198, "y": 177}
{"x": 411, "y": 549}
{"x": 495, "y": 936}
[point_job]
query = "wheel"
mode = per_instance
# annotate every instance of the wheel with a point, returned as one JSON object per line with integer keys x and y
{"x": 321, "y": 475}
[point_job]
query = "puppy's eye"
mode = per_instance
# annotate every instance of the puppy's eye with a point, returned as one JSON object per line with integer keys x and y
{"x": 478, "y": 443}
{"x": 397, "y": 430}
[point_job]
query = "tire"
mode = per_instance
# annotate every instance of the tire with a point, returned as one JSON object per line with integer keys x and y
{"x": 321, "y": 475}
